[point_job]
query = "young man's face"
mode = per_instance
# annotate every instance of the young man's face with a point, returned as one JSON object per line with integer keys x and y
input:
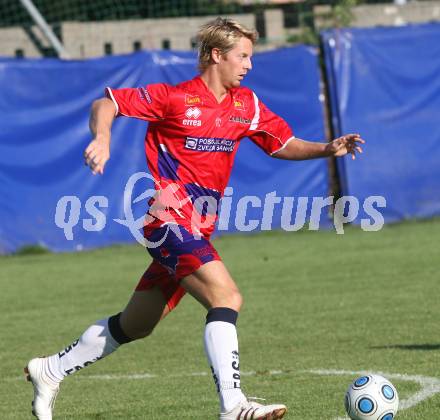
{"x": 234, "y": 65}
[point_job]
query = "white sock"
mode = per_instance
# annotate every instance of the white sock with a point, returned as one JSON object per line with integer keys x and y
{"x": 221, "y": 346}
{"x": 94, "y": 344}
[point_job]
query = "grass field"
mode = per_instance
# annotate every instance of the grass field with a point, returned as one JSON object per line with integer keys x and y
{"x": 318, "y": 307}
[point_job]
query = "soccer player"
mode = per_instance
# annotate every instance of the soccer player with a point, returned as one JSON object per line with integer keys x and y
{"x": 193, "y": 134}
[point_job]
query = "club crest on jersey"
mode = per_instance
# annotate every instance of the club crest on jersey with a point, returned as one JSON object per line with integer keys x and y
{"x": 191, "y": 100}
{"x": 239, "y": 104}
{"x": 192, "y": 114}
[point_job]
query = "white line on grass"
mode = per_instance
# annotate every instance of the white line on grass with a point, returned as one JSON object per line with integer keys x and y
{"x": 138, "y": 376}
{"x": 176, "y": 375}
{"x": 429, "y": 386}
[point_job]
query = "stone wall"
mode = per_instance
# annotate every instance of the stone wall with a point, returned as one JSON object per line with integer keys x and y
{"x": 383, "y": 14}
{"x": 94, "y": 39}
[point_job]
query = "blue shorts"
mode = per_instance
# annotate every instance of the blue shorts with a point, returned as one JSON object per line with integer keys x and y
{"x": 175, "y": 258}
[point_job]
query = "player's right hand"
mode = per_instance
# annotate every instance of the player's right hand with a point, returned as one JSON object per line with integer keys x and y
{"x": 97, "y": 154}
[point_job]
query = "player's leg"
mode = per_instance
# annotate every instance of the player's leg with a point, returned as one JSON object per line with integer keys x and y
{"x": 142, "y": 313}
{"x": 147, "y": 306}
{"x": 213, "y": 286}
{"x": 198, "y": 267}
{"x": 215, "y": 289}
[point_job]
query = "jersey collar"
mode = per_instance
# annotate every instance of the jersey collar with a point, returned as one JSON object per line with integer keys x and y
{"x": 201, "y": 84}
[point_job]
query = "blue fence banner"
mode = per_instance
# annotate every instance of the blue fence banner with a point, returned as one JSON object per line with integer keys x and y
{"x": 385, "y": 84}
{"x": 48, "y": 196}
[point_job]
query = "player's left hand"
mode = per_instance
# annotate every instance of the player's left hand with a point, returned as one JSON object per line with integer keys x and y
{"x": 348, "y": 144}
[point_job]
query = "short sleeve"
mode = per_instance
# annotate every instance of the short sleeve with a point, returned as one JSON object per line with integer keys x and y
{"x": 267, "y": 130}
{"x": 148, "y": 103}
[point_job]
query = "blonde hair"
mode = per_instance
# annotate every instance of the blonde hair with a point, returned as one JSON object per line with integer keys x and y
{"x": 223, "y": 34}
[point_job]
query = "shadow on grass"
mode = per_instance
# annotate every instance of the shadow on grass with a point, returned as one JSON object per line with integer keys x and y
{"x": 423, "y": 347}
{"x": 32, "y": 250}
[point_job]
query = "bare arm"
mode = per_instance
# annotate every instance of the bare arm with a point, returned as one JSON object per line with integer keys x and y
{"x": 298, "y": 149}
{"x": 97, "y": 152}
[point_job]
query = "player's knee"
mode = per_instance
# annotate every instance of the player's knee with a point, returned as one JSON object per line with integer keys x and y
{"x": 124, "y": 331}
{"x": 227, "y": 298}
{"x": 141, "y": 333}
{"x": 235, "y": 300}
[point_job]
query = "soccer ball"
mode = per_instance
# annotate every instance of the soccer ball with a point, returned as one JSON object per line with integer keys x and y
{"x": 371, "y": 397}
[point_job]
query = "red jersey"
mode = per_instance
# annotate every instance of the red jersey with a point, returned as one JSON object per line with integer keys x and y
{"x": 191, "y": 142}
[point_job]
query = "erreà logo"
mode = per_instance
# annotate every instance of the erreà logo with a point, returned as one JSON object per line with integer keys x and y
{"x": 191, "y": 100}
{"x": 193, "y": 113}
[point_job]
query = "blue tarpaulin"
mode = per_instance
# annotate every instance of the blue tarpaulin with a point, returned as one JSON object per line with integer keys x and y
{"x": 48, "y": 196}
{"x": 385, "y": 84}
